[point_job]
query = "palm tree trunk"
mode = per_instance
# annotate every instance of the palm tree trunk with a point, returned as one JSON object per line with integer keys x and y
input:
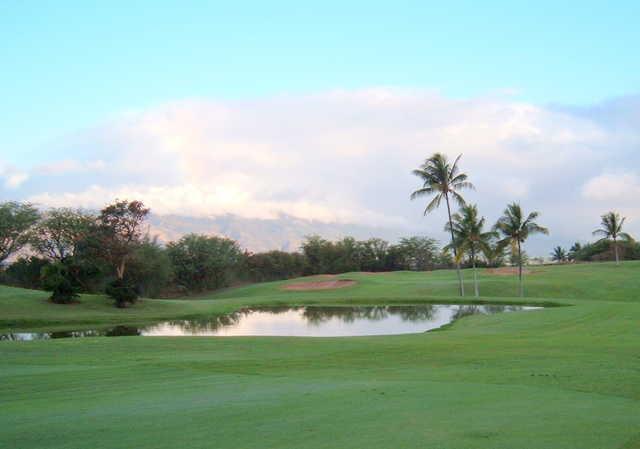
{"x": 520, "y": 269}
{"x": 615, "y": 249}
{"x": 455, "y": 250}
{"x": 475, "y": 275}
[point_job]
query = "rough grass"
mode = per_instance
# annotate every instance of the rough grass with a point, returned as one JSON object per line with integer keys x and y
{"x": 563, "y": 377}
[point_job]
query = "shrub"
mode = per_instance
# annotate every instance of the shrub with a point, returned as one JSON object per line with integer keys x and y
{"x": 123, "y": 292}
{"x": 57, "y": 279}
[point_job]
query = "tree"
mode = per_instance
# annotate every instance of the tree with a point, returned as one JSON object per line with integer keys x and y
{"x": 203, "y": 262}
{"x": 274, "y": 265}
{"x": 372, "y": 254}
{"x": 515, "y": 229}
{"x": 60, "y": 283}
{"x": 470, "y": 237}
{"x": 611, "y": 230}
{"x": 444, "y": 180}
{"x": 114, "y": 238}
{"x": 574, "y": 251}
{"x": 58, "y": 234}
{"x": 559, "y": 254}
{"x": 16, "y": 221}
{"x": 120, "y": 232}
{"x": 494, "y": 254}
{"x": 149, "y": 268}
{"x": 417, "y": 253}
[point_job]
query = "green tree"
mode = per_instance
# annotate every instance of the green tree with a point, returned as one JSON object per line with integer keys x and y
{"x": 559, "y": 254}
{"x": 114, "y": 239}
{"x": 515, "y": 229}
{"x": 470, "y": 237}
{"x": 58, "y": 280}
{"x": 574, "y": 251}
{"x": 494, "y": 254}
{"x": 16, "y": 221}
{"x": 59, "y": 233}
{"x": 417, "y": 253}
{"x": 120, "y": 232}
{"x": 611, "y": 230}
{"x": 203, "y": 262}
{"x": 373, "y": 254}
{"x": 149, "y": 268}
{"x": 443, "y": 181}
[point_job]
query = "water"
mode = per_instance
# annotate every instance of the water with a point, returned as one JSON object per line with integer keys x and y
{"x": 313, "y": 321}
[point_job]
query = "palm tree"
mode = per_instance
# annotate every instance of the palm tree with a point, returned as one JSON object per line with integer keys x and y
{"x": 515, "y": 229}
{"x": 442, "y": 179}
{"x": 470, "y": 237}
{"x": 559, "y": 254}
{"x": 574, "y": 251}
{"x": 611, "y": 229}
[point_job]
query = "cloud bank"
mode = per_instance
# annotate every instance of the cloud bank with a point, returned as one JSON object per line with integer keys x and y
{"x": 346, "y": 157}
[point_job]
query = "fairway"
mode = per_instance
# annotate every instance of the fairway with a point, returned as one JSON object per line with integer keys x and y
{"x": 567, "y": 376}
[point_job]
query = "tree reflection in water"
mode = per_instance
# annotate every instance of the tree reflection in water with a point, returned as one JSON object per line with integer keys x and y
{"x": 312, "y": 315}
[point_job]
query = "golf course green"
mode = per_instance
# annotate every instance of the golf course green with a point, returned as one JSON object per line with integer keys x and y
{"x": 566, "y": 376}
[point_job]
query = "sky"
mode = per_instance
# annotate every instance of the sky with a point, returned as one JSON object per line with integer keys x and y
{"x": 320, "y": 110}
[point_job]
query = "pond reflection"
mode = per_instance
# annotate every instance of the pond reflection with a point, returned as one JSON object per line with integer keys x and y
{"x": 312, "y": 321}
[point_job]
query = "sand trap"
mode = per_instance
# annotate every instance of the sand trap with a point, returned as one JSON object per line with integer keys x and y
{"x": 320, "y": 285}
{"x": 507, "y": 271}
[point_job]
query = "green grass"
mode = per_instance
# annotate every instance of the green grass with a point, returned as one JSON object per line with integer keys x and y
{"x": 562, "y": 377}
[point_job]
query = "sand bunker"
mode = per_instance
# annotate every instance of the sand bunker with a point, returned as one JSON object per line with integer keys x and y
{"x": 320, "y": 285}
{"x": 507, "y": 271}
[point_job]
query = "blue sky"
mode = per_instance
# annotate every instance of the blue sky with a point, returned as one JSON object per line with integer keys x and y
{"x": 70, "y": 64}
{"x": 154, "y": 98}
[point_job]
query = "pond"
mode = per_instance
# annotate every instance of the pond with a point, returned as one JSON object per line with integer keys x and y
{"x": 311, "y": 321}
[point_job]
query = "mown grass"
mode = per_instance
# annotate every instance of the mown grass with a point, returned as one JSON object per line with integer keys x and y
{"x": 563, "y": 377}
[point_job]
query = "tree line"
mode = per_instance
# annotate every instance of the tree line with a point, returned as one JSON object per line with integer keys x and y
{"x": 71, "y": 251}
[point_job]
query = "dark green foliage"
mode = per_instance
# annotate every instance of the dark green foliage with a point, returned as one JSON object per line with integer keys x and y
{"x": 16, "y": 221}
{"x": 150, "y": 269}
{"x": 346, "y": 255}
{"x": 416, "y": 254}
{"x": 118, "y": 233}
{"x": 603, "y": 250}
{"x": 123, "y": 292}
{"x": 274, "y": 265}
{"x": 203, "y": 262}
{"x": 559, "y": 254}
{"x": 57, "y": 279}
{"x": 25, "y": 272}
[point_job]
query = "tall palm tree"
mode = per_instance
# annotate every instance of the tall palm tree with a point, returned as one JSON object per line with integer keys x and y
{"x": 611, "y": 229}
{"x": 559, "y": 254}
{"x": 443, "y": 180}
{"x": 515, "y": 229}
{"x": 470, "y": 238}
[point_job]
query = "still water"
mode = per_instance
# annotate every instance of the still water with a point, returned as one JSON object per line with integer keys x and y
{"x": 312, "y": 321}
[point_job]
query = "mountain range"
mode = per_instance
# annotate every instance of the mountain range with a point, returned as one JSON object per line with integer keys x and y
{"x": 284, "y": 233}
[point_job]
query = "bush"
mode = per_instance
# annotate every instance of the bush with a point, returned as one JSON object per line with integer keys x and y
{"x": 124, "y": 293}
{"x": 57, "y": 279}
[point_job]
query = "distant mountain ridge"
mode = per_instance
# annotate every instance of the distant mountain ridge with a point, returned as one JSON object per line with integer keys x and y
{"x": 285, "y": 233}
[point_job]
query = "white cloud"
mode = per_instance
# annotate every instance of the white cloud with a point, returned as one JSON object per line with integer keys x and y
{"x": 70, "y": 166}
{"x": 346, "y": 156}
{"x": 613, "y": 187}
{"x": 12, "y": 178}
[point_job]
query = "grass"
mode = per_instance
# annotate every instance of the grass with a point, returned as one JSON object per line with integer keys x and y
{"x": 562, "y": 377}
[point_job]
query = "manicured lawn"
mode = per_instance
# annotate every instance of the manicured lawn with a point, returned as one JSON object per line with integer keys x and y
{"x": 562, "y": 377}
